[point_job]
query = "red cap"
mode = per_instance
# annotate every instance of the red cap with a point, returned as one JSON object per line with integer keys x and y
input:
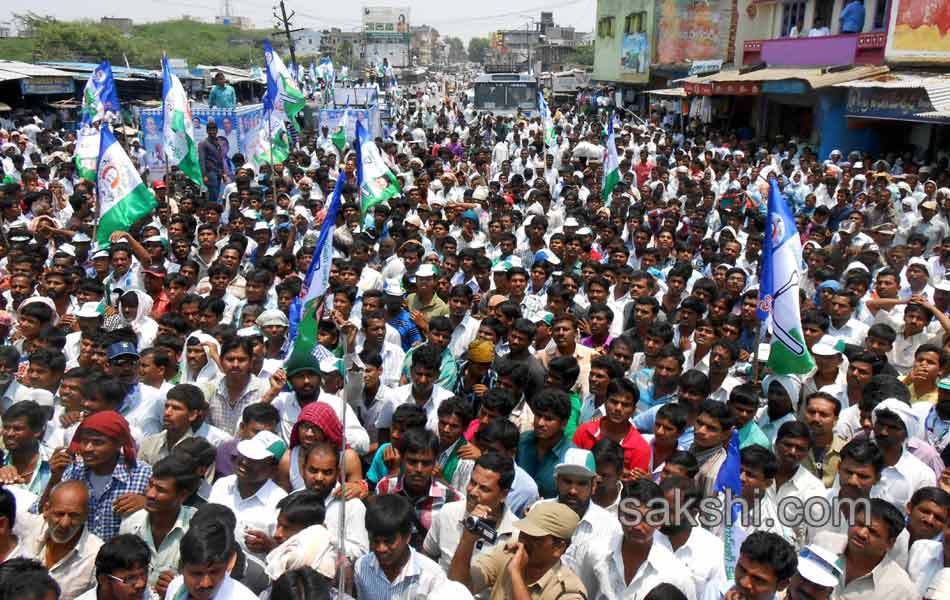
{"x": 160, "y": 184}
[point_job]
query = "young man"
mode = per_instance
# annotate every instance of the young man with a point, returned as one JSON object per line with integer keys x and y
{"x": 904, "y": 473}
{"x": 122, "y": 568}
{"x": 766, "y": 564}
{"x": 208, "y": 552}
{"x": 631, "y": 564}
{"x": 421, "y": 391}
{"x": 254, "y": 419}
{"x": 239, "y": 388}
{"x": 564, "y": 334}
{"x": 26, "y": 461}
{"x": 251, "y": 492}
{"x": 699, "y": 550}
{"x": 543, "y": 448}
{"x": 165, "y": 519}
{"x": 321, "y": 477}
{"x": 501, "y": 435}
{"x": 454, "y": 414}
{"x": 575, "y": 480}
{"x": 713, "y": 430}
{"x": 658, "y": 384}
{"x": 419, "y": 450}
{"x": 184, "y": 407}
{"x": 528, "y": 568}
{"x": 393, "y": 568}
{"x": 485, "y": 499}
{"x": 744, "y": 403}
{"x": 867, "y": 571}
{"x": 821, "y": 414}
{"x": 116, "y": 480}
{"x": 792, "y": 479}
{"x": 622, "y": 397}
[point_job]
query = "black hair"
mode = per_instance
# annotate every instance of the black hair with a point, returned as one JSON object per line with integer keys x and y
{"x": 864, "y": 452}
{"x": 303, "y": 508}
{"x": 26, "y": 579}
{"x": 685, "y": 459}
{"x": 427, "y": 357}
{"x": 760, "y": 457}
{"x": 499, "y": 430}
{"x": 181, "y": 468}
{"x": 696, "y": 381}
{"x": 260, "y": 412}
{"x": 208, "y": 540}
{"x": 796, "y": 429}
{"x": 676, "y": 413}
{"x": 499, "y": 399}
{"x": 718, "y": 411}
{"x": 887, "y": 512}
{"x": 35, "y": 415}
{"x": 53, "y": 360}
{"x": 770, "y": 549}
{"x": 8, "y": 506}
{"x": 566, "y": 369}
{"x": 389, "y": 515}
{"x": 931, "y": 494}
{"x": 196, "y": 449}
{"x": 409, "y": 416}
{"x": 456, "y": 406}
{"x": 642, "y": 491}
{"x": 552, "y": 401}
{"x": 302, "y": 584}
{"x": 419, "y": 440}
{"x": 745, "y": 394}
{"x": 606, "y": 451}
{"x": 188, "y": 394}
{"x": 501, "y": 464}
{"x": 665, "y": 591}
{"x": 124, "y": 551}
{"x": 622, "y": 385}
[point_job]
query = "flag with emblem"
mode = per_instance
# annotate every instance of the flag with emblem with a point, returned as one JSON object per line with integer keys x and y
{"x": 376, "y": 181}
{"x": 547, "y": 122}
{"x": 123, "y": 197}
{"x": 100, "y": 102}
{"x": 282, "y": 90}
{"x": 779, "y": 288}
{"x": 338, "y": 137}
{"x": 178, "y": 134}
{"x": 612, "y": 165}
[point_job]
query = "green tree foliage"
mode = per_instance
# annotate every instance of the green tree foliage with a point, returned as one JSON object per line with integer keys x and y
{"x": 582, "y": 55}
{"x": 478, "y": 49}
{"x": 456, "y": 49}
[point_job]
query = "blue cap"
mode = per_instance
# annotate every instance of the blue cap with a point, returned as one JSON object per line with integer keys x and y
{"x": 470, "y": 214}
{"x": 122, "y": 349}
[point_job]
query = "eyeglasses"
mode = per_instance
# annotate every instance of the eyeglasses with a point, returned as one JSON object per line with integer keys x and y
{"x": 131, "y": 580}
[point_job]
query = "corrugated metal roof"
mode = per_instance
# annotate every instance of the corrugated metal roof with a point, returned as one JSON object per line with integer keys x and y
{"x": 937, "y": 86}
{"x": 677, "y": 92}
{"x": 26, "y": 70}
{"x": 816, "y": 77}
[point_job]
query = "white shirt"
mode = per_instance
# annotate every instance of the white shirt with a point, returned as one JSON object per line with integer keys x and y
{"x": 228, "y": 590}
{"x": 898, "y": 483}
{"x": 926, "y": 559}
{"x": 443, "y": 537}
{"x": 289, "y": 409}
{"x": 396, "y": 397}
{"x": 852, "y": 332}
{"x": 258, "y": 511}
{"x": 596, "y": 524}
{"x": 600, "y": 567}
{"x": 356, "y": 541}
{"x": 803, "y": 486}
{"x": 463, "y": 335}
{"x": 703, "y": 555}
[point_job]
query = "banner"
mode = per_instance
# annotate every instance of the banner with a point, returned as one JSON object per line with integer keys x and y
{"x": 235, "y": 127}
{"x": 688, "y": 31}
{"x": 635, "y": 53}
{"x": 919, "y": 30}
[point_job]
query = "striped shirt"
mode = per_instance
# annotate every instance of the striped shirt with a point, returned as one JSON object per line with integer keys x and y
{"x": 426, "y": 507}
{"x": 417, "y": 580}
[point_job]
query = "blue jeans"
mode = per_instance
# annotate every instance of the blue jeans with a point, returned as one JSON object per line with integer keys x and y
{"x": 214, "y": 187}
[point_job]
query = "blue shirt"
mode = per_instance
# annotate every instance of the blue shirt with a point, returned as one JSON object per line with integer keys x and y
{"x": 103, "y": 520}
{"x": 645, "y": 422}
{"x": 648, "y": 398}
{"x": 852, "y": 17}
{"x": 222, "y": 97}
{"x": 408, "y": 332}
{"x": 523, "y": 492}
{"x": 541, "y": 468}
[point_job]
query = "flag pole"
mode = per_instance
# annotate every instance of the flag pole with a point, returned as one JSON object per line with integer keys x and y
{"x": 755, "y": 352}
{"x": 341, "y": 473}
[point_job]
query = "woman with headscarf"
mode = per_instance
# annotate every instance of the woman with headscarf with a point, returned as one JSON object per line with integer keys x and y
{"x": 199, "y": 363}
{"x": 783, "y": 393}
{"x": 317, "y": 423}
{"x": 136, "y": 307}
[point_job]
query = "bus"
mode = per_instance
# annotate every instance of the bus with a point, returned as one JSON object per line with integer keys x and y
{"x": 506, "y": 93}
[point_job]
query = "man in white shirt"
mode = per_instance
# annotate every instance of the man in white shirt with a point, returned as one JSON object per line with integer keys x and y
{"x": 603, "y": 564}
{"x": 251, "y": 493}
{"x": 422, "y": 390}
{"x": 208, "y": 551}
{"x": 904, "y": 473}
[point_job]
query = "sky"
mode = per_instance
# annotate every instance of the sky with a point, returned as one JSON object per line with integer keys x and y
{"x": 461, "y": 19}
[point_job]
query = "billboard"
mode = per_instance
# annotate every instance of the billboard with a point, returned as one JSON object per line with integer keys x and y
{"x": 919, "y": 30}
{"x": 635, "y": 53}
{"x": 386, "y": 24}
{"x": 395, "y": 53}
{"x": 688, "y": 31}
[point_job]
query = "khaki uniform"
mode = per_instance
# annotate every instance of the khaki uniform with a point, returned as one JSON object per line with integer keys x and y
{"x": 559, "y": 583}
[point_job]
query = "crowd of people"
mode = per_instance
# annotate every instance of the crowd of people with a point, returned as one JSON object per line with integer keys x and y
{"x": 513, "y": 373}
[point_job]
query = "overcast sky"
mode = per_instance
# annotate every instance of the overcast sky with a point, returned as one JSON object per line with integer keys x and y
{"x": 464, "y": 19}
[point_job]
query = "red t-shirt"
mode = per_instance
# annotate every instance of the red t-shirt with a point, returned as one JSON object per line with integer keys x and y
{"x": 636, "y": 450}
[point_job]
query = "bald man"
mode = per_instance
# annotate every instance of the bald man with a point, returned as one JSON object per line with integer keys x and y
{"x": 61, "y": 541}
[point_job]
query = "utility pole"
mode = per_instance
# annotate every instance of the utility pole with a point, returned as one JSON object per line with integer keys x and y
{"x": 283, "y": 22}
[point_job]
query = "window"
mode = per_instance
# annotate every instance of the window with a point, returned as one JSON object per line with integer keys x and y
{"x": 605, "y": 27}
{"x": 881, "y": 9}
{"x": 634, "y": 22}
{"x": 793, "y": 16}
{"x": 823, "y": 11}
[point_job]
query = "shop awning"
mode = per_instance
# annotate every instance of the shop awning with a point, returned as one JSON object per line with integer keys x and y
{"x": 676, "y": 92}
{"x": 750, "y": 83}
{"x": 923, "y": 97}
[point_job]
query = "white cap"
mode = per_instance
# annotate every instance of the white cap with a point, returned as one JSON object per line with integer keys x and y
{"x": 393, "y": 287}
{"x": 272, "y": 317}
{"x": 153, "y": 239}
{"x": 584, "y": 231}
{"x": 571, "y": 222}
{"x": 262, "y": 446}
{"x": 261, "y": 226}
{"x": 249, "y": 332}
{"x": 67, "y": 249}
{"x": 826, "y": 346}
{"x": 330, "y": 365}
{"x": 426, "y": 270}
{"x": 577, "y": 462}
{"x": 81, "y": 237}
{"x": 88, "y": 310}
{"x": 413, "y": 220}
{"x": 819, "y": 566}
{"x": 41, "y": 397}
{"x": 480, "y": 193}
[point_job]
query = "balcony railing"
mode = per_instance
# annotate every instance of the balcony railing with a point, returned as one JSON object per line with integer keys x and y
{"x": 841, "y": 49}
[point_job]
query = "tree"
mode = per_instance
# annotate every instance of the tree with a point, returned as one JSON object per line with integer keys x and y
{"x": 582, "y": 55}
{"x": 456, "y": 49}
{"x": 478, "y": 49}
